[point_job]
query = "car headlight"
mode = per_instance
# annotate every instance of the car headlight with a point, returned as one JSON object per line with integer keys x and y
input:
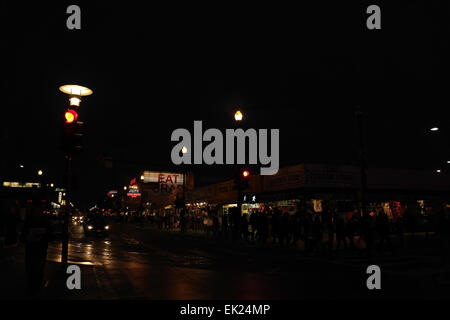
{"x": 106, "y": 227}
{"x": 90, "y": 227}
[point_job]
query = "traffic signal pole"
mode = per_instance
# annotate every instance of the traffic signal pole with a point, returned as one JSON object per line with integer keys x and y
{"x": 72, "y": 145}
{"x": 65, "y": 232}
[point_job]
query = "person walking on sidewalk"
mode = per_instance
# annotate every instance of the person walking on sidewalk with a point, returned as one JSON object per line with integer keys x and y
{"x": 383, "y": 230}
{"x": 37, "y": 232}
{"x": 340, "y": 233}
{"x": 11, "y": 234}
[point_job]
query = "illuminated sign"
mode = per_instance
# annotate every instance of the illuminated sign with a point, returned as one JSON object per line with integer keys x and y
{"x": 112, "y": 193}
{"x": 20, "y": 184}
{"x": 133, "y": 192}
{"x": 163, "y": 177}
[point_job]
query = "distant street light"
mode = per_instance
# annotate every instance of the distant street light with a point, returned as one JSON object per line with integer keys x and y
{"x": 238, "y": 116}
{"x": 40, "y": 172}
{"x": 124, "y": 187}
{"x": 142, "y": 177}
{"x": 438, "y": 170}
{"x": 21, "y": 166}
{"x": 434, "y": 129}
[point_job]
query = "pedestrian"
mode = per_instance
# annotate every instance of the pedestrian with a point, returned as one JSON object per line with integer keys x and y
{"x": 443, "y": 234}
{"x": 351, "y": 230}
{"x": 11, "y": 233}
{"x": 316, "y": 234}
{"x": 263, "y": 228}
{"x": 235, "y": 224}
{"x": 253, "y": 224}
{"x": 340, "y": 233}
{"x": 367, "y": 234}
{"x": 36, "y": 233}
{"x": 383, "y": 231}
{"x": 276, "y": 225}
{"x": 244, "y": 227}
{"x": 284, "y": 237}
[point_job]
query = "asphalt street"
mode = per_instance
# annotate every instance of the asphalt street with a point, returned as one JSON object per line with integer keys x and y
{"x": 135, "y": 262}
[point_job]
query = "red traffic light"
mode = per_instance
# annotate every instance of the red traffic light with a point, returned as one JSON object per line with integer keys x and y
{"x": 245, "y": 173}
{"x": 71, "y": 116}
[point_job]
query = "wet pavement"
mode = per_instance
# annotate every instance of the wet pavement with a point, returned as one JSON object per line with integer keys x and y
{"x": 145, "y": 263}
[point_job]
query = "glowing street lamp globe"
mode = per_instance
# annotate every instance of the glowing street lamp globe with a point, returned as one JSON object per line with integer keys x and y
{"x": 75, "y": 93}
{"x": 238, "y": 115}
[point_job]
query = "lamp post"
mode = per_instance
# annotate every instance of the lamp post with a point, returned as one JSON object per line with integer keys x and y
{"x": 238, "y": 117}
{"x": 75, "y": 92}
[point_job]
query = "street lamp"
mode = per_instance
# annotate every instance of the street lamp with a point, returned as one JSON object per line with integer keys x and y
{"x": 238, "y": 116}
{"x": 434, "y": 129}
{"x": 40, "y": 173}
{"x": 75, "y": 93}
{"x": 124, "y": 187}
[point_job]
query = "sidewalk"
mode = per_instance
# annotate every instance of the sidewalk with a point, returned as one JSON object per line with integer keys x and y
{"x": 13, "y": 281}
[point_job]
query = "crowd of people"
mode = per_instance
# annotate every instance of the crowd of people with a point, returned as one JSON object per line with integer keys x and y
{"x": 325, "y": 232}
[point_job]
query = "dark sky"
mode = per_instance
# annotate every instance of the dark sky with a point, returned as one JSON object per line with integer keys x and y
{"x": 154, "y": 68}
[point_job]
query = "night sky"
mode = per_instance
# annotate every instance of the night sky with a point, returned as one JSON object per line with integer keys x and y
{"x": 155, "y": 68}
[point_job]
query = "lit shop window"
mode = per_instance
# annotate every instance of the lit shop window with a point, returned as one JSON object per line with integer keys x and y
{"x": 20, "y": 185}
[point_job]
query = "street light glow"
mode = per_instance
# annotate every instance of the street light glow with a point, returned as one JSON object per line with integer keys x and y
{"x": 238, "y": 115}
{"x": 74, "y": 89}
{"x": 75, "y": 101}
{"x": 434, "y": 129}
{"x": 40, "y": 172}
{"x": 438, "y": 170}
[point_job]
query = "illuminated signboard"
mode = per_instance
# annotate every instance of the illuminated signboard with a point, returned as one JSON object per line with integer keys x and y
{"x": 163, "y": 177}
{"x": 134, "y": 192}
{"x": 112, "y": 193}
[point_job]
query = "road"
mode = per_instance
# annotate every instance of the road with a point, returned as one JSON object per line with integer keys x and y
{"x": 146, "y": 263}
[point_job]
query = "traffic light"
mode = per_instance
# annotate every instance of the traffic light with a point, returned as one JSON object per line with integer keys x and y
{"x": 241, "y": 181}
{"x": 71, "y": 116}
{"x": 72, "y": 133}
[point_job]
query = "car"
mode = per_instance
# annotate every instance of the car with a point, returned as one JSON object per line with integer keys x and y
{"x": 97, "y": 226}
{"x": 77, "y": 219}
